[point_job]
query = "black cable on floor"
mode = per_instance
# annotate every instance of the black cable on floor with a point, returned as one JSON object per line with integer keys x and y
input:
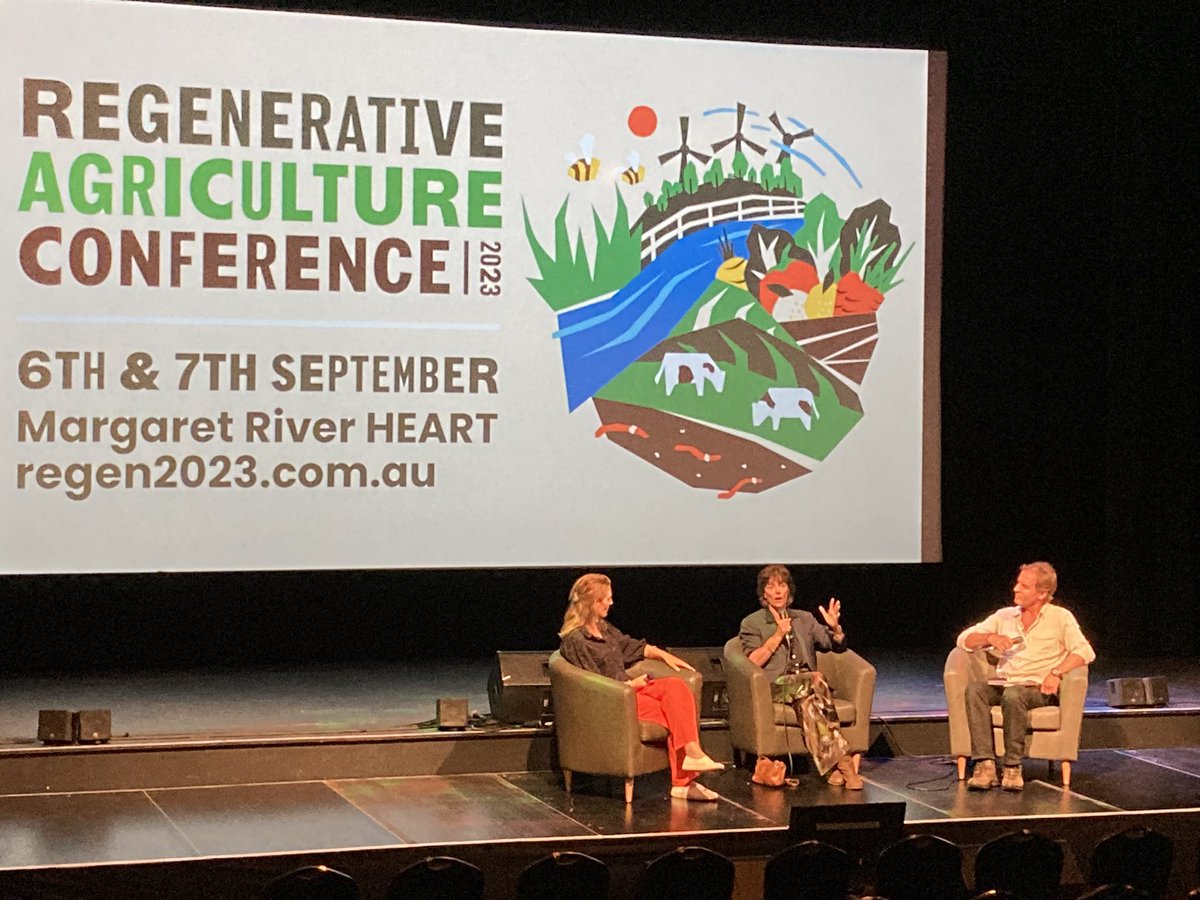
{"x": 951, "y": 776}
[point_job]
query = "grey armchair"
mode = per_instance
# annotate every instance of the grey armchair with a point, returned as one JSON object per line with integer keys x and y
{"x": 1054, "y": 730}
{"x": 758, "y": 726}
{"x": 596, "y": 723}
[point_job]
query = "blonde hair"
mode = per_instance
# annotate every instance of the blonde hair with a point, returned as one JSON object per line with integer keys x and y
{"x": 1047, "y": 578}
{"x": 581, "y": 603}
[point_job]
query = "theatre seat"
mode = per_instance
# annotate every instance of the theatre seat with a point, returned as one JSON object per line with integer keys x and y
{"x": 596, "y": 723}
{"x": 758, "y": 726}
{"x": 1053, "y": 730}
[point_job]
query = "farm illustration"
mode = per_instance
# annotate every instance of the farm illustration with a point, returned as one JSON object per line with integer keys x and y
{"x": 722, "y": 323}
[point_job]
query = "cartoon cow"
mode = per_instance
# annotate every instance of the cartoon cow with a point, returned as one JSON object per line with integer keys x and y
{"x": 688, "y": 368}
{"x": 780, "y": 403}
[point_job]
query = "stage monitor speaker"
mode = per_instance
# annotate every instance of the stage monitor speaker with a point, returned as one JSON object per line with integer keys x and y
{"x": 1149, "y": 691}
{"x": 452, "y": 712}
{"x": 519, "y": 687}
{"x": 92, "y": 726}
{"x": 54, "y": 726}
{"x": 863, "y": 830}
{"x": 710, "y": 663}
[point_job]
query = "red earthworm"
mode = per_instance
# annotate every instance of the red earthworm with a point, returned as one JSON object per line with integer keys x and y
{"x": 698, "y": 453}
{"x": 617, "y": 426}
{"x": 725, "y": 495}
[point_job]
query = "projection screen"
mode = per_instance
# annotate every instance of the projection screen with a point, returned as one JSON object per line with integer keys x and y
{"x": 295, "y": 291}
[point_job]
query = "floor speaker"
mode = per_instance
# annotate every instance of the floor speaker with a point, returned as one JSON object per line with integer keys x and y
{"x": 863, "y": 830}
{"x": 710, "y": 663}
{"x": 452, "y": 712}
{"x": 92, "y": 726}
{"x": 1150, "y": 691}
{"x": 519, "y": 687}
{"x": 54, "y": 726}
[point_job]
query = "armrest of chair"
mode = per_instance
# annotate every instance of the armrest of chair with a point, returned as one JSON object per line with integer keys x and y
{"x": 962, "y": 667}
{"x": 659, "y": 669}
{"x": 1072, "y": 694}
{"x": 595, "y": 717}
{"x": 751, "y": 712}
{"x": 956, "y": 674}
{"x": 852, "y": 678}
{"x": 955, "y": 677}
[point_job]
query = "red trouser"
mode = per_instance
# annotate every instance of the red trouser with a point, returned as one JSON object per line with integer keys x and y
{"x": 669, "y": 702}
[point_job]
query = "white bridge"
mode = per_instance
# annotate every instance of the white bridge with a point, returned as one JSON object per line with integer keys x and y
{"x": 694, "y": 218}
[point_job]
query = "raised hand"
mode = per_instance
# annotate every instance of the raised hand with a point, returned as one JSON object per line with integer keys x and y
{"x": 833, "y": 613}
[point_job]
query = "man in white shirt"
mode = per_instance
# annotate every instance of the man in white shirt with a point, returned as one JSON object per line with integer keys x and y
{"x": 1036, "y": 643}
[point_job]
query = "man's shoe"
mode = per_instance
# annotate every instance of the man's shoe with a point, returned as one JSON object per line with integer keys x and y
{"x": 701, "y": 764}
{"x": 983, "y": 778}
{"x": 1013, "y": 779}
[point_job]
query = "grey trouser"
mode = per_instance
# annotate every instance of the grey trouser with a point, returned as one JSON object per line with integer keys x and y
{"x": 1015, "y": 702}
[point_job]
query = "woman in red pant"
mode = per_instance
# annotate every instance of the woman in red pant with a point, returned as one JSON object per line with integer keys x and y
{"x": 591, "y": 642}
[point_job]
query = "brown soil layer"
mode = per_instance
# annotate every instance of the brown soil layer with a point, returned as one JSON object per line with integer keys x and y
{"x": 731, "y": 460}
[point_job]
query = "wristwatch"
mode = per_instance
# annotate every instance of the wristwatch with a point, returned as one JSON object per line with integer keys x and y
{"x": 1056, "y": 672}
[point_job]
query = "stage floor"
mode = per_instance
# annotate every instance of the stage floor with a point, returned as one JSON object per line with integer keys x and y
{"x": 54, "y": 830}
{"x": 397, "y": 697}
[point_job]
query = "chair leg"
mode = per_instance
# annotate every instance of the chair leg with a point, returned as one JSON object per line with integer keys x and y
{"x": 567, "y": 773}
{"x": 857, "y": 760}
{"x": 1066, "y": 773}
{"x": 962, "y": 768}
{"x": 628, "y": 790}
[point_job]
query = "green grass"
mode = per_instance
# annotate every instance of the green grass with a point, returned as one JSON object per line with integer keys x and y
{"x": 731, "y": 408}
{"x": 567, "y": 277}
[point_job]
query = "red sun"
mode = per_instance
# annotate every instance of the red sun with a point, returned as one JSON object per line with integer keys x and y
{"x": 642, "y": 121}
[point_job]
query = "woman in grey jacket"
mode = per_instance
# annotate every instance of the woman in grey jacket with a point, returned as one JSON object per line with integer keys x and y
{"x": 784, "y": 643}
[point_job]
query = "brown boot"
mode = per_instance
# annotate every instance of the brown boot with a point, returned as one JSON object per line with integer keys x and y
{"x": 851, "y": 779}
{"x": 983, "y": 778}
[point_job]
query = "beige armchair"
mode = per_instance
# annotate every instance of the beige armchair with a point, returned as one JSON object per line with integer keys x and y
{"x": 758, "y": 726}
{"x": 596, "y": 723}
{"x": 1053, "y": 730}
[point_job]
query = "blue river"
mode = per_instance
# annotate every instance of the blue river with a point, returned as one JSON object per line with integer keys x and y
{"x": 600, "y": 339}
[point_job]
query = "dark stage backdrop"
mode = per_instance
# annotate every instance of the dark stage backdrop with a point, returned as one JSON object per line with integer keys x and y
{"x": 1069, "y": 384}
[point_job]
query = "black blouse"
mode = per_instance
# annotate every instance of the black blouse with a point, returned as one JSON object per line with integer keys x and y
{"x": 608, "y": 654}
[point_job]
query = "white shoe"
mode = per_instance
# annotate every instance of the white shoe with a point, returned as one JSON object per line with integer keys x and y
{"x": 694, "y": 791}
{"x": 701, "y": 764}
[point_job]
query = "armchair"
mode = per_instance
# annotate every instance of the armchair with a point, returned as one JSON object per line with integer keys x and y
{"x": 596, "y": 723}
{"x": 1054, "y": 730}
{"x": 758, "y": 726}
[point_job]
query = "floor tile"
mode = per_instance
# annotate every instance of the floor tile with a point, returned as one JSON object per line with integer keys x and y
{"x": 269, "y": 818}
{"x": 599, "y": 804}
{"x": 933, "y": 781}
{"x": 1127, "y": 781}
{"x": 435, "y": 809}
{"x": 58, "y": 829}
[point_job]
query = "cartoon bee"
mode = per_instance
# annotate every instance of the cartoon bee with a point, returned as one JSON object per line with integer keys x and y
{"x": 585, "y": 167}
{"x": 636, "y": 173}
